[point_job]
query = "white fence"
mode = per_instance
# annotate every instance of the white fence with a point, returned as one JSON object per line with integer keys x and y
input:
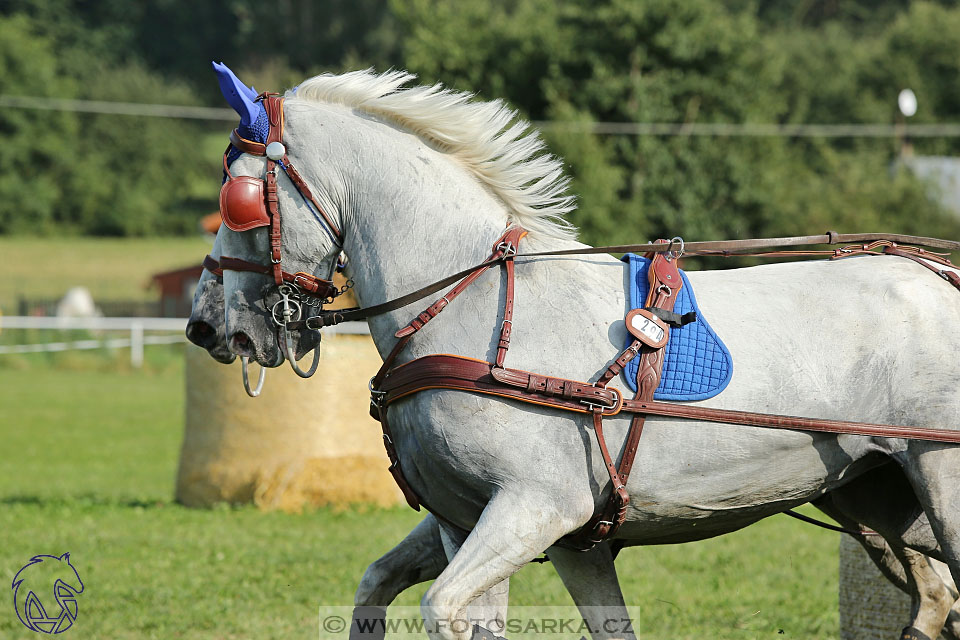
{"x": 135, "y": 327}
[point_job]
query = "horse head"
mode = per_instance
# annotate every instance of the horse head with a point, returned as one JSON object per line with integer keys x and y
{"x": 409, "y": 183}
{"x": 257, "y": 305}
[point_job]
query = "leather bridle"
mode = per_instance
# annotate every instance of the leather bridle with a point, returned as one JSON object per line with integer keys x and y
{"x": 246, "y": 203}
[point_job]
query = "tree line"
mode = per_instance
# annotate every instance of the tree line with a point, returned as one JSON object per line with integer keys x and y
{"x": 574, "y": 61}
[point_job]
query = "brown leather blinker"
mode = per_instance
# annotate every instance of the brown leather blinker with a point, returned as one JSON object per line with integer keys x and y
{"x": 242, "y": 204}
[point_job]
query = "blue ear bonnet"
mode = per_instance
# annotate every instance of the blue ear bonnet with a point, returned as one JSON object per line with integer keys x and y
{"x": 256, "y": 131}
{"x": 254, "y": 124}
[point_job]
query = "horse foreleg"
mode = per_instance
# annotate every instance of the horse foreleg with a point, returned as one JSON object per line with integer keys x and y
{"x": 512, "y": 530}
{"x": 490, "y": 607}
{"x": 419, "y": 557}
{"x": 591, "y": 579}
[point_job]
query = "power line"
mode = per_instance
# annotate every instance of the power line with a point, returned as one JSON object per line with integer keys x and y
{"x": 719, "y": 130}
{"x": 118, "y": 108}
{"x": 942, "y": 130}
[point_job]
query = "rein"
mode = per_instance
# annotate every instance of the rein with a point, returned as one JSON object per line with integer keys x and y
{"x": 719, "y": 248}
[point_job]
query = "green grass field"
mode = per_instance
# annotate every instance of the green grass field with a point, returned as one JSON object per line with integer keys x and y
{"x": 89, "y": 456}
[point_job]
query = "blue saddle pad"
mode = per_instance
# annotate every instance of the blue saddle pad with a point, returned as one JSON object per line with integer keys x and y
{"x": 697, "y": 365}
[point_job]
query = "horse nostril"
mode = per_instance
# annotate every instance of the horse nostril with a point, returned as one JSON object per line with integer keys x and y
{"x": 241, "y": 344}
{"x": 201, "y": 333}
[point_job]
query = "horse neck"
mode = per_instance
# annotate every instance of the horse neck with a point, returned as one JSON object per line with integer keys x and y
{"x": 416, "y": 217}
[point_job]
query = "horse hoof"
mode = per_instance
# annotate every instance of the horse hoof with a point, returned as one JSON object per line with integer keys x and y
{"x": 912, "y": 633}
{"x": 368, "y": 623}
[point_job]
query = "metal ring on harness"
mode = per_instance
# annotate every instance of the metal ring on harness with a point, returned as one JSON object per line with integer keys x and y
{"x": 291, "y": 356}
{"x": 253, "y": 393}
{"x": 674, "y": 255}
{"x": 291, "y": 312}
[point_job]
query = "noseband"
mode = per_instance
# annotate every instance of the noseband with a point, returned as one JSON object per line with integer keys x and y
{"x": 247, "y": 202}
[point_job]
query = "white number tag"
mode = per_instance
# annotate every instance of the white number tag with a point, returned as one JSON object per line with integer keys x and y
{"x": 647, "y": 328}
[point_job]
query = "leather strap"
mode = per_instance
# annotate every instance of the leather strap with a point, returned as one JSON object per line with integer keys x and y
{"x": 408, "y": 493}
{"x": 467, "y": 374}
{"x": 776, "y": 421}
{"x": 274, "y": 107}
{"x": 509, "y": 245}
{"x": 378, "y": 395}
{"x": 210, "y": 264}
{"x": 664, "y": 282}
{"x": 305, "y": 282}
{"x": 921, "y": 258}
{"x": 722, "y": 248}
{"x": 247, "y": 146}
{"x": 733, "y": 247}
{"x": 238, "y": 264}
{"x": 302, "y": 187}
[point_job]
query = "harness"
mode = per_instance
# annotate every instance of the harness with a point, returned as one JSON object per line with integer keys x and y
{"x": 249, "y": 203}
{"x": 650, "y": 329}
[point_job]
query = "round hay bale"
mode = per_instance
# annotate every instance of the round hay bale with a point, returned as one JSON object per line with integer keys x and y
{"x": 870, "y": 607}
{"x": 302, "y": 442}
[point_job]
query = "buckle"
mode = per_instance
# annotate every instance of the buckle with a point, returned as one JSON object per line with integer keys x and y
{"x": 376, "y": 395}
{"x": 595, "y": 536}
{"x": 306, "y": 278}
{"x": 508, "y": 249}
{"x": 613, "y": 410}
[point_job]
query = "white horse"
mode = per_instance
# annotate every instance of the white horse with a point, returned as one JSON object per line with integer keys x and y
{"x": 422, "y": 181}
{"x": 426, "y": 550}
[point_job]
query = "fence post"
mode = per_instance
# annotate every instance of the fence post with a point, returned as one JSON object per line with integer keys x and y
{"x": 136, "y": 344}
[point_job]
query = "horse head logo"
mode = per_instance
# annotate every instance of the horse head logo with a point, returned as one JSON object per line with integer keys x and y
{"x": 33, "y": 586}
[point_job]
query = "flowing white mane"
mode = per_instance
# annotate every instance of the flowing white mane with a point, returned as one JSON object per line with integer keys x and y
{"x": 488, "y": 138}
